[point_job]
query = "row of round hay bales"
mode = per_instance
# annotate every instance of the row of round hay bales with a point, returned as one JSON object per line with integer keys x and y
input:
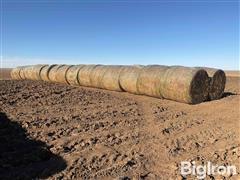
{"x": 31, "y": 72}
{"x": 100, "y": 76}
{"x": 183, "y": 84}
{"x": 58, "y": 73}
{"x": 177, "y": 83}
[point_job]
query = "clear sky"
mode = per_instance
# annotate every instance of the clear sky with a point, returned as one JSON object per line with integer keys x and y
{"x": 200, "y": 33}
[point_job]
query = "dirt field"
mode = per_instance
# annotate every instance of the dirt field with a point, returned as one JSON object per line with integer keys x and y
{"x": 55, "y": 131}
{"x": 233, "y": 73}
{"x": 5, "y": 73}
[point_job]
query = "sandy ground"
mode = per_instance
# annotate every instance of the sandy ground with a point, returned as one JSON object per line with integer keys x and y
{"x": 233, "y": 73}
{"x": 5, "y": 73}
{"x": 54, "y": 131}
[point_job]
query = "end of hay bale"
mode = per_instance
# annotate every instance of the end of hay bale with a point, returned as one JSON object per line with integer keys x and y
{"x": 217, "y": 81}
{"x": 199, "y": 87}
{"x": 217, "y": 85}
{"x": 184, "y": 84}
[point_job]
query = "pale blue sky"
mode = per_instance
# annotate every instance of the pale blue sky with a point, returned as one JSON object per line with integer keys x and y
{"x": 200, "y": 33}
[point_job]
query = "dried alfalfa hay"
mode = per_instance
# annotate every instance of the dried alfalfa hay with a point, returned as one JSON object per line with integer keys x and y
{"x": 15, "y": 73}
{"x": 72, "y": 75}
{"x": 128, "y": 78}
{"x": 184, "y": 84}
{"x": 217, "y": 81}
{"x": 44, "y": 73}
{"x": 61, "y": 74}
{"x": 110, "y": 80}
{"x": 149, "y": 80}
{"x": 84, "y": 75}
{"x": 53, "y": 73}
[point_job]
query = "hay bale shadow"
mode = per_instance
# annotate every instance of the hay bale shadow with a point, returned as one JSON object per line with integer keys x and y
{"x": 24, "y": 158}
{"x": 226, "y": 94}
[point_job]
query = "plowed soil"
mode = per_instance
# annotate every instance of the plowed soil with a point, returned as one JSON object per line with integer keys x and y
{"x": 53, "y": 131}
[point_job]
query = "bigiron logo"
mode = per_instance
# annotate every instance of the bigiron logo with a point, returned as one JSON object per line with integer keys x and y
{"x": 201, "y": 171}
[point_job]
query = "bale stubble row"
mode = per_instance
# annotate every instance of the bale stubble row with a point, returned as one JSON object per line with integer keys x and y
{"x": 182, "y": 84}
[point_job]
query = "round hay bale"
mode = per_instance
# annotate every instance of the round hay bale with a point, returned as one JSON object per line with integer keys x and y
{"x": 217, "y": 81}
{"x": 96, "y": 76}
{"x": 61, "y": 74}
{"x": 25, "y": 72}
{"x": 28, "y": 72}
{"x": 149, "y": 80}
{"x": 128, "y": 78}
{"x": 22, "y": 73}
{"x": 53, "y": 73}
{"x": 44, "y": 73}
{"x": 72, "y": 75}
{"x": 33, "y": 72}
{"x": 110, "y": 80}
{"x": 15, "y": 73}
{"x": 84, "y": 75}
{"x": 138, "y": 65}
{"x": 183, "y": 84}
